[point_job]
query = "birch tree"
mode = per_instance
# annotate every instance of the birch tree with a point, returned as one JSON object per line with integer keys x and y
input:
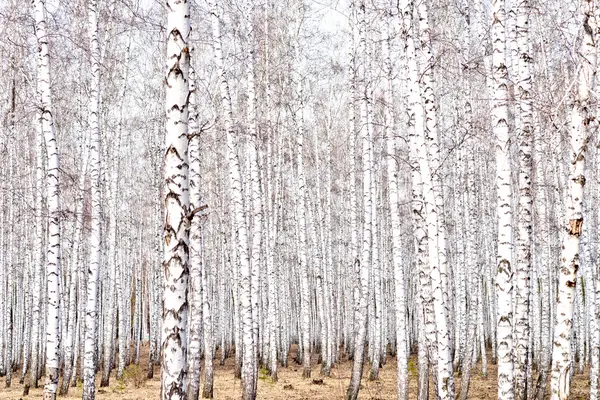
{"x": 581, "y": 118}
{"x": 523, "y": 270}
{"x": 351, "y": 217}
{"x": 504, "y": 272}
{"x": 365, "y": 259}
{"x": 53, "y": 207}
{"x": 95, "y": 235}
{"x": 393, "y": 198}
{"x": 176, "y": 203}
{"x": 195, "y": 270}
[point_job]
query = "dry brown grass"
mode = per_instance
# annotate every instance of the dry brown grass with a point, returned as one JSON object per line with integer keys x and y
{"x": 226, "y": 387}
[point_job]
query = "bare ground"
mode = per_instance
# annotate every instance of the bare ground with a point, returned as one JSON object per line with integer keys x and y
{"x": 290, "y": 386}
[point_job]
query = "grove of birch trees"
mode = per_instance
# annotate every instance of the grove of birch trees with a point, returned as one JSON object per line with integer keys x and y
{"x": 370, "y": 184}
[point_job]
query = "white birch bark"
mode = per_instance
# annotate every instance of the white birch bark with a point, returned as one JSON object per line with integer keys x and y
{"x": 91, "y": 315}
{"x": 393, "y": 198}
{"x": 52, "y": 341}
{"x": 254, "y": 183}
{"x": 504, "y": 272}
{"x": 581, "y": 117}
{"x": 430, "y": 155}
{"x": 595, "y": 273}
{"x": 415, "y": 117}
{"x": 38, "y": 256}
{"x": 195, "y": 278}
{"x": 595, "y": 317}
{"x": 367, "y": 163}
{"x": 302, "y": 240}
{"x": 330, "y": 298}
{"x": 272, "y": 198}
{"x": 353, "y": 262}
{"x": 71, "y": 350}
{"x": 524, "y": 242}
{"x": 124, "y": 322}
{"x": 176, "y": 203}
{"x": 207, "y": 388}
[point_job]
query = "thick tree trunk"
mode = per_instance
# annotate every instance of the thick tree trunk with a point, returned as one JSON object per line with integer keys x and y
{"x": 176, "y": 203}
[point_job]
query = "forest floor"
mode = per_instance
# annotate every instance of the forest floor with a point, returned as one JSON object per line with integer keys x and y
{"x": 290, "y": 385}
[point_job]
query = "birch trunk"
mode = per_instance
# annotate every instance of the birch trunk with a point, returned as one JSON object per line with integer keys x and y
{"x": 393, "y": 198}
{"x": 524, "y": 242}
{"x": 353, "y": 262}
{"x": 38, "y": 257}
{"x": 52, "y": 341}
{"x": 415, "y": 120}
{"x": 176, "y": 203}
{"x": 254, "y": 185}
{"x": 272, "y": 197}
{"x": 302, "y": 245}
{"x": 91, "y": 315}
{"x": 504, "y": 273}
{"x": 207, "y": 389}
{"x": 581, "y": 117}
{"x": 195, "y": 278}
{"x": 365, "y": 259}
{"x": 430, "y": 161}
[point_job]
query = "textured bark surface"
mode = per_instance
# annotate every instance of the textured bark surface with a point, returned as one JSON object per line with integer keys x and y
{"x": 52, "y": 271}
{"x": 504, "y": 263}
{"x": 195, "y": 338}
{"x": 176, "y": 205}
{"x": 525, "y": 217}
{"x": 91, "y": 312}
{"x": 581, "y": 117}
{"x": 393, "y": 198}
{"x": 367, "y": 238}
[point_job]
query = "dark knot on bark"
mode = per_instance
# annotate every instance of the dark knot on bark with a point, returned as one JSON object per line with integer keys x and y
{"x": 576, "y": 227}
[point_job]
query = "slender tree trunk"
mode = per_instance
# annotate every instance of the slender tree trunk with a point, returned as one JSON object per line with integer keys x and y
{"x": 415, "y": 122}
{"x": 91, "y": 314}
{"x": 302, "y": 245}
{"x": 393, "y": 198}
{"x": 581, "y": 117}
{"x": 52, "y": 341}
{"x": 365, "y": 260}
{"x": 71, "y": 350}
{"x": 38, "y": 257}
{"x": 207, "y": 388}
{"x": 430, "y": 154}
{"x": 256, "y": 261}
{"x": 195, "y": 279}
{"x": 504, "y": 273}
{"x": 595, "y": 320}
{"x": 524, "y": 243}
{"x": 272, "y": 197}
